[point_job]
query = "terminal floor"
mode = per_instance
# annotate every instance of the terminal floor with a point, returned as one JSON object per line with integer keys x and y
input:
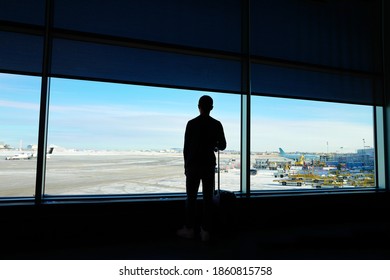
{"x": 319, "y": 242}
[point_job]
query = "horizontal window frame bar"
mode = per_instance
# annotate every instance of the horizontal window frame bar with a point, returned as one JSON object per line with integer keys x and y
{"x": 160, "y": 197}
{"x": 314, "y": 67}
{"x": 25, "y": 28}
{"x": 141, "y": 44}
{"x": 71, "y": 77}
{"x": 24, "y": 73}
{"x": 263, "y": 94}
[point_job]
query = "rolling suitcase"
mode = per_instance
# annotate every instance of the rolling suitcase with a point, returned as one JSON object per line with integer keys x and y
{"x": 224, "y": 206}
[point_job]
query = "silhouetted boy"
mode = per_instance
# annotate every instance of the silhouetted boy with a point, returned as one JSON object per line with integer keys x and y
{"x": 202, "y": 136}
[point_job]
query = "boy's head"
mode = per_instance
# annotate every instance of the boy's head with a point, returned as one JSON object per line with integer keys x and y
{"x": 205, "y": 103}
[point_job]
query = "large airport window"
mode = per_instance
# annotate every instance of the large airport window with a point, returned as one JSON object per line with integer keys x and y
{"x": 126, "y": 139}
{"x": 302, "y": 145}
{"x": 19, "y": 118}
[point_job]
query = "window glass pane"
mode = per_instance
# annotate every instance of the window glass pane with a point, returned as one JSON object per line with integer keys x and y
{"x": 24, "y": 11}
{"x": 21, "y": 52}
{"x": 113, "y": 63}
{"x": 343, "y": 34}
{"x": 19, "y": 117}
{"x": 124, "y": 139}
{"x": 202, "y": 23}
{"x": 311, "y": 145}
{"x": 298, "y": 83}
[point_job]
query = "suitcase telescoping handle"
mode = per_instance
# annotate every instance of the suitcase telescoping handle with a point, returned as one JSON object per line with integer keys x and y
{"x": 219, "y": 171}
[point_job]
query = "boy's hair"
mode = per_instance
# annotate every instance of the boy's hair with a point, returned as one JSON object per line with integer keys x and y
{"x": 206, "y": 103}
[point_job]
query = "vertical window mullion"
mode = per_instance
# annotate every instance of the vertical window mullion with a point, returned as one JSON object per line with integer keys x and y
{"x": 44, "y": 107}
{"x": 379, "y": 133}
{"x": 245, "y": 98}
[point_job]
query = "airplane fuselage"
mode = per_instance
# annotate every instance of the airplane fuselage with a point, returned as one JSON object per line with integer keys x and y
{"x": 297, "y": 157}
{"x": 20, "y": 157}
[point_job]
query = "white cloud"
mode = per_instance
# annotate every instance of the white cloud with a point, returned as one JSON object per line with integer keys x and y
{"x": 115, "y": 126}
{"x": 19, "y": 105}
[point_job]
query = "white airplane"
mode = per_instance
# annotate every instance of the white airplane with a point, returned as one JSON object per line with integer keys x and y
{"x": 23, "y": 155}
{"x": 20, "y": 156}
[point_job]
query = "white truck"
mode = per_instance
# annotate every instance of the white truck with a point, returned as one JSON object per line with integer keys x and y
{"x": 280, "y": 173}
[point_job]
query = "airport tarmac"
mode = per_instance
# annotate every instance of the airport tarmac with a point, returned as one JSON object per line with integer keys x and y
{"x": 97, "y": 173}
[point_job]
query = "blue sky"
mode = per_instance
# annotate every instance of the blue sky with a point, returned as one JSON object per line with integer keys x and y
{"x": 95, "y": 115}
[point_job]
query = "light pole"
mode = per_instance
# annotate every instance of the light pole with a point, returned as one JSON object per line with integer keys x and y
{"x": 364, "y": 151}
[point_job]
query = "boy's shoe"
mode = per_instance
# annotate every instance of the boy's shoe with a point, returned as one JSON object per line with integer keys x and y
{"x": 186, "y": 232}
{"x": 204, "y": 235}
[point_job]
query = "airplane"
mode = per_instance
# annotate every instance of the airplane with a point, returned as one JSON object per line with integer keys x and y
{"x": 20, "y": 156}
{"x": 298, "y": 157}
{"x": 23, "y": 155}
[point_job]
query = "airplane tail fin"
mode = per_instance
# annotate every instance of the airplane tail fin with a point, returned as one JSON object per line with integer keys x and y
{"x": 281, "y": 151}
{"x": 50, "y": 151}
